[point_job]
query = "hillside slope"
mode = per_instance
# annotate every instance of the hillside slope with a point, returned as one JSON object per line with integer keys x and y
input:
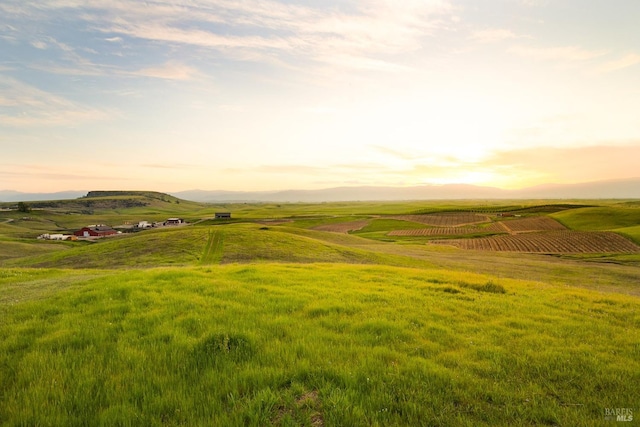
{"x": 105, "y": 200}
{"x": 243, "y": 243}
{"x": 323, "y": 344}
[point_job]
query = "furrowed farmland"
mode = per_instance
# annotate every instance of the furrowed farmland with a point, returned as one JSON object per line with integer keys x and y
{"x": 472, "y": 313}
{"x": 555, "y": 242}
{"x": 450, "y": 231}
{"x": 538, "y": 223}
{"x": 445, "y": 220}
{"x": 342, "y": 227}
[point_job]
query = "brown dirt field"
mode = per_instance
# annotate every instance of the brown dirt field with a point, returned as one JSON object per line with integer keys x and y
{"x": 343, "y": 227}
{"x": 446, "y": 219}
{"x": 449, "y": 231}
{"x": 549, "y": 242}
{"x": 274, "y": 222}
{"x": 528, "y": 225}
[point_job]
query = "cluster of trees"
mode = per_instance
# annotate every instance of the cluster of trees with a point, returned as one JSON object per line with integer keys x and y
{"x": 24, "y": 207}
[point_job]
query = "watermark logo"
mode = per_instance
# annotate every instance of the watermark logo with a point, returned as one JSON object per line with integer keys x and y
{"x": 618, "y": 414}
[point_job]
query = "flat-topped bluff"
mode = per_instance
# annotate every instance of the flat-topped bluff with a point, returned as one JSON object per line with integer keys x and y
{"x": 113, "y": 194}
{"x": 111, "y": 200}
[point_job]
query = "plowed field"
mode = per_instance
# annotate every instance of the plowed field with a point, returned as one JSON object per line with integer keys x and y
{"x": 449, "y": 231}
{"x": 527, "y": 225}
{"x": 343, "y": 227}
{"x": 446, "y": 219}
{"x": 550, "y": 242}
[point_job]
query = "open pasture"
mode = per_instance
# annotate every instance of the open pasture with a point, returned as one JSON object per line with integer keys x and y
{"x": 322, "y": 344}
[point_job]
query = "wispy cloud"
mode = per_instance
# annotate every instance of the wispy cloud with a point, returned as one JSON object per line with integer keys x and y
{"x": 358, "y": 34}
{"x": 626, "y": 61}
{"x": 322, "y": 110}
{"x": 232, "y": 108}
{"x": 604, "y": 161}
{"x": 44, "y": 173}
{"x": 534, "y": 3}
{"x": 556, "y": 53}
{"x": 493, "y": 35}
{"x": 50, "y": 42}
{"x": 169, "y": 71}
{"x": 170, "y": 166}
{"x": 68, "y": 60}
{"x": 25, "y": 105}
{"x": 292, "y": 169}
{"x": 362, "y": 167}
{"x": 394, "y": 153}
{"x": 39, "y": 44}
{"x": 350, "y": 61}
{"x": 409, "y": 173}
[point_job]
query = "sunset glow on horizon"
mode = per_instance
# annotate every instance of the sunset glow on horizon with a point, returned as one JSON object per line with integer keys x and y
{"x": 279, "y": 94}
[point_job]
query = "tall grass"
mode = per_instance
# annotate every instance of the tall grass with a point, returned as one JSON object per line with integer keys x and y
{"x": 302, "y": 344}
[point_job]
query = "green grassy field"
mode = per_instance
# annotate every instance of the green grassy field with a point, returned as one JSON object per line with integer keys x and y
{"x": 290, "y": 344}
{"x": 243, "y": 323}
{"x": 600, "y": 218}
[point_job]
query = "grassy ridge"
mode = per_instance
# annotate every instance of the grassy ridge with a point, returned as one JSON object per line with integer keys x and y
{"x": 599, "y": 218}
{"x": 149, "y": 249}
{"x": 293, "y": 345}
{"x": 192, "y": 245}
{"x": 632, "y": 233}
{"x": 10, "y": 249}
{"x": 16, "y": 226}
{"x": 250, "y": 243}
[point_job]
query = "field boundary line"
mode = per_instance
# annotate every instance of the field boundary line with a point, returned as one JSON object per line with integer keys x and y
{"x": 503, "y": 225}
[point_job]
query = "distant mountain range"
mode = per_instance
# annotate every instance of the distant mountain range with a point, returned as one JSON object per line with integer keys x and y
{"x": 16, "y": 196}
{"x": 615, "y": 189}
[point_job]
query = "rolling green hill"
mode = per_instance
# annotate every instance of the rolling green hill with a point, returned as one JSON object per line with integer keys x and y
{"x": 599, "y": 218}
{"x": 623, "y": 218}
{"x": 243, "y": 243}
{"x": 109, "y": 202}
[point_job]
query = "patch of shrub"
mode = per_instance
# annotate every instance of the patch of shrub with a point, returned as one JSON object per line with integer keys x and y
{"x": 216, "y": 347}
{"x": 490, "y": 287}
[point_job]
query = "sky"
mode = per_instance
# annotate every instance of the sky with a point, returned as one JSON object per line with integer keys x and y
{"x": 271, "y": 95}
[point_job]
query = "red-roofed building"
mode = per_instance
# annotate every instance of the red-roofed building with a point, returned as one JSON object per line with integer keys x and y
{"x": 99, "y": 230}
